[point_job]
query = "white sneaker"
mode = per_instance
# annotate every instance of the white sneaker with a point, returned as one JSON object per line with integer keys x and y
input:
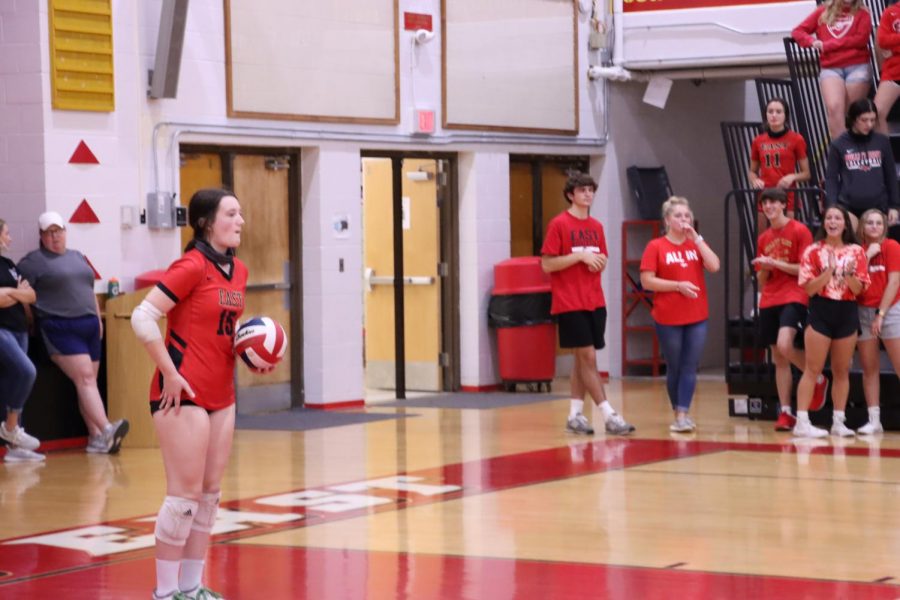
{"x": 18, "y": 437}
{"x": 96, "y": 445}
{"x": 839, "y": 429}
{"x": 870, "y": 428}
{"x": 805, "y": 429}
{"x": 681, "y": 426}
{"x": 17, "y": 454}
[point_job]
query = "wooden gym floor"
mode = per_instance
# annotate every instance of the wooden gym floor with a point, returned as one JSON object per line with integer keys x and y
{"x": 495, "y": 504}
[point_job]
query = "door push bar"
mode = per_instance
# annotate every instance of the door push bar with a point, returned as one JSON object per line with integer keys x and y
{"x": 371, "y": 279}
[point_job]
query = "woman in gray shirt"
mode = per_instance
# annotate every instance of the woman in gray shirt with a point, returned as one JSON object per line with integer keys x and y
{"x": 68, "y": 319}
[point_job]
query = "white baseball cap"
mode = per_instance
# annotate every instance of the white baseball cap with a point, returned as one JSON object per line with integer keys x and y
{"x": 50, "y": 218}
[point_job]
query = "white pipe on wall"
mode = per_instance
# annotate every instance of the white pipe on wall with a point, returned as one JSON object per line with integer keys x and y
{"x": 365, "y": 138}
{"x": 619, "y": 73}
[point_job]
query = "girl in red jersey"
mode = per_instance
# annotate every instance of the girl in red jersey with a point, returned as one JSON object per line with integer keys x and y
{"x": 888, "y": 39}
{"x": 833, "y": 271}
{"x": 777, "y": 157}
{"x": 672, "y": 267}
{"x": 192, "y": 392}
{"x": 879, "y": 311}
{"x": 839, "y": 30}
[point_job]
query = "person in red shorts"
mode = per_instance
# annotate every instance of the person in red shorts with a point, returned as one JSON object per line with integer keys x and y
{"x": 672, "y": 267}
{"x": 782, "y": 304}
{"x": 575, "y": 255}
{"x": 840, "y": 31}
{"x": 192, "y": 393}
{"x": 888, "y": 38}
{"x": 879, "y": 311}
{"x": 777, "y": 157}
{"x": 833, "y": 271}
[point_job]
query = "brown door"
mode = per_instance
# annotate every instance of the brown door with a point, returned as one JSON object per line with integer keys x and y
{"x": 198, "y": 171}
{"x": 261, "y": 184}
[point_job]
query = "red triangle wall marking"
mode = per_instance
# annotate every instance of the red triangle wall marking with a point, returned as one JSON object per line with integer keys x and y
{"x": 91, "y": 265}
{"x": 83, "y": 155}
{"x": 84, "y": 214}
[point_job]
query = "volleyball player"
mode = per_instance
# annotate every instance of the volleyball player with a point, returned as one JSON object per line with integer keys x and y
{"x": 777, "y": 157}
{"x": 192, "y": 393}
{"x": 860, "y": 173}
{"x": 879, "y": 312}
{"x": 575, "y": 255}
{"x": 833, "y": 272}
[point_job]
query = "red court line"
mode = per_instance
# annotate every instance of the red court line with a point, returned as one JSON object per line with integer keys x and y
{"x": 252, "y": 572}
{"x": 475, "y": 477}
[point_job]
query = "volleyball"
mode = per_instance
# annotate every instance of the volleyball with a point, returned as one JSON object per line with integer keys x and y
{"x": 260, "y": 342}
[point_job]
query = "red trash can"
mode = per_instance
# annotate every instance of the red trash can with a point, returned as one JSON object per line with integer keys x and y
{"x": 526, "y": 334}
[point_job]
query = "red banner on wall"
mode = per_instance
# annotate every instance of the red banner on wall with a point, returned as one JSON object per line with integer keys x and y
{"x": 632, "y": 6}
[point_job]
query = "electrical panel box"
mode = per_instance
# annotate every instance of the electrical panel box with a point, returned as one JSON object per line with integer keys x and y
{"x": 160, "y": 210}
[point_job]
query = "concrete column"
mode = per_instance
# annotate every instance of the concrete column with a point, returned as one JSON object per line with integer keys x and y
{"x": 483, "y": 241}
{"x": 332, "y": 299}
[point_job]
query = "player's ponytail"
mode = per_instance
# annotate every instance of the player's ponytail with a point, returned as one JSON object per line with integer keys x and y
{"x": 202, "y": 212}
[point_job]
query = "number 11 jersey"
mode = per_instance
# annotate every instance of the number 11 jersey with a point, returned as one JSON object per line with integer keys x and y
{"x": 200, "y": 330}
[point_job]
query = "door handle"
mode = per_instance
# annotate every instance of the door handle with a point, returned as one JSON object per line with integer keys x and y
{"x": 371, "y": 279}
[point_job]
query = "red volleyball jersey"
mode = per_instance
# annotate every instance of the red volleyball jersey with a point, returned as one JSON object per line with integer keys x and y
{"x": 574, "y": 288}
{"x": 200, "y": 329}
{"x": 886, "y": 261}
{"x": 787, "y": 244}
{"x": 676, "y": 262}
{"x": 777, "y": 157}
{"x": 849, "y": 258}
{"x": 889, "y": 40}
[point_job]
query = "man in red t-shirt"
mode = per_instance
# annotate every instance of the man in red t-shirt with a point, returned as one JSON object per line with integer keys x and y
{"x": 782, "y": 303}
{"x": 574, "y": 253}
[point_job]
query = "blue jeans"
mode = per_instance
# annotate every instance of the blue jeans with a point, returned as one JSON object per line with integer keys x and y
{"x": 682, "y": 346}
{"x": 17, "y": 373}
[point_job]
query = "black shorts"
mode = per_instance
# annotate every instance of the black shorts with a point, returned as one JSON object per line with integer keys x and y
{"x": 154, "y": 406}
{"x": 836, "y": 319}
{"x": 581, "y": 328}
{"x": 773, "y": 318}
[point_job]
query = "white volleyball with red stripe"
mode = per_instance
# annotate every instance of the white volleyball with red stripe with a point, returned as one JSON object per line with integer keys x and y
{"x": 260, "y": 342}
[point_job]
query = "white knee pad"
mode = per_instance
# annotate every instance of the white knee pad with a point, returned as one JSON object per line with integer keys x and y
{"x": 173, "y": 523}
{"x": 206, "y": 512}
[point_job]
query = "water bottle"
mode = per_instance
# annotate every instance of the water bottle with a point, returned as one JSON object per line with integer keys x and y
{"x": 113, "y": 288}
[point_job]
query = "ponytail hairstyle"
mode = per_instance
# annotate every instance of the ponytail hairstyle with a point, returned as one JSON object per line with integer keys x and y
{"x": 202, "y": 212}
{"x": 670, "y": 204}
{"x": 833, "y": 9}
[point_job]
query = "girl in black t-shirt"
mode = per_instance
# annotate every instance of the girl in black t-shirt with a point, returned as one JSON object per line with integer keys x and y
{"x": 17, "y": 373}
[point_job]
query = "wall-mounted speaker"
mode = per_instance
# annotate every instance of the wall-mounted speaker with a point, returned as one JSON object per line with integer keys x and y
{"x": 169, "y": 44}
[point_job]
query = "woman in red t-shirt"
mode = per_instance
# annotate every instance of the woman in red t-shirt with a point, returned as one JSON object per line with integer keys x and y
{"x": 777, "y": 158}
{"x": 879, "y": 311}
{"x": 833, "y": 271}
{"x": 672, "y": 267}
{"x": 840, "y": 31}
{"x": 888, "y": 39}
